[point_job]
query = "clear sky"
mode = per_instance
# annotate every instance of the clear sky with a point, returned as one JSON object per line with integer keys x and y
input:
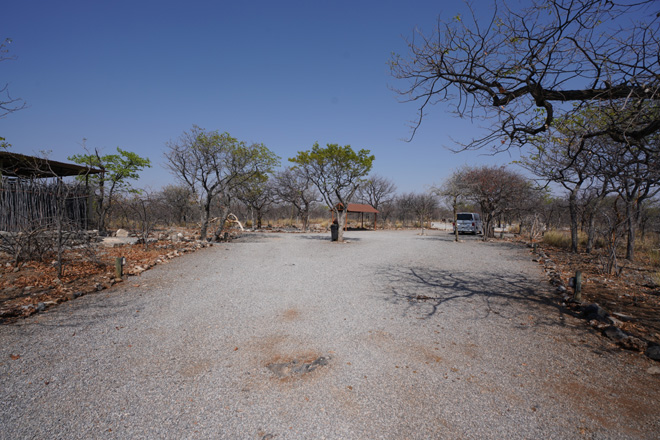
{"x": 136, "y": 74}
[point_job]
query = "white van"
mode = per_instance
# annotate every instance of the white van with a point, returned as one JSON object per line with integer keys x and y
{"x": 469, "y": 222}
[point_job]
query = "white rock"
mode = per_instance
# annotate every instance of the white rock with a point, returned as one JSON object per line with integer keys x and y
{"x": 653, "y": 371}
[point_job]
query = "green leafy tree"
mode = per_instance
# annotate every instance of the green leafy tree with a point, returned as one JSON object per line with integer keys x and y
{"x": 337, "y": 172}
{"x": 117, "y": 170}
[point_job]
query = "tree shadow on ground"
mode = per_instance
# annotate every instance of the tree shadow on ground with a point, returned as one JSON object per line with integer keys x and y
{"x": 327, "y": 238}
{"x": 426, "y": 291}
{"x": 91, "y": 310}
{"x": 450, "y": 237}
{"x": 253, "y": 237}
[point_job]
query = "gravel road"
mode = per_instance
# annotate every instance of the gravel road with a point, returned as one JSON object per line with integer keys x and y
{"x": 392, "y": 335}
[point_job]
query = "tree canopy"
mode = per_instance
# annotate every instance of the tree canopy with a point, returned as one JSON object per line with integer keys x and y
{"x": 7, "y": 103}
{"x": 215, "y": 166}
{"x": 519, "y": 69}
{"x": 116, "y": 172}
{"x": 337, "y": 172}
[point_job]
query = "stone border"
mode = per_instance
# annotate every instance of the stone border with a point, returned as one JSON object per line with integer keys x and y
{"x": 606, "y": 323}
{"x": 16, "y": 312}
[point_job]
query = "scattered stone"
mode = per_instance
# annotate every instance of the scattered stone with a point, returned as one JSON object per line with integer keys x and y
{"x": 41, "y": 307}
{"x": 122, "y": 233}
{"x": 98, "y": 287}
{"x": 633, "y": 343}
{"x": 599, "y": 325}
{"x": 594, "y": 311}
{"x": 615, "y": 333}
{"x": 653, "y": 352}
{"x": 615, "y": 321}
{"x": 623, "y": 317}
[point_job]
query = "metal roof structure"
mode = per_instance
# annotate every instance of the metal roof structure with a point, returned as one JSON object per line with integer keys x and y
{"x": 360, "y": 209}
{"x": 20, "y": 165}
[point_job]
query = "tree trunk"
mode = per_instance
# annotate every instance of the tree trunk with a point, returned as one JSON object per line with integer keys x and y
{"x": 205, "y": 212}
{"x": 341, "y": 222}
{"x": 630, "y": 224}
{"x": 572, "y": 207}
{"x": 455, "y": 218}
{"x": 591, "y": 232}
{"x": 305, "y": 219}
{"x": 224, "y": 215}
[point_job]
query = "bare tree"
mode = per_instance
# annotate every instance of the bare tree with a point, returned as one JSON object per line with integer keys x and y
{"x": 295, "y": 187}
{"x": 403, "y": 207}
{"x": 143, "y": 208}
{"x": 423, "y": 205}
{"x": 454, "y": 190}
{"x": 213, "y": 166}
{"x": 257, "y": 195}
{"x": 7, "y": 103}
{"x": 519, "y": 69}
{"x": 635, "y": 176}
{"x": 496, "y": 190}
{"x": 562, "y": 156}
{"x": 376, "y": 191}
{"x": 179, "y": 201}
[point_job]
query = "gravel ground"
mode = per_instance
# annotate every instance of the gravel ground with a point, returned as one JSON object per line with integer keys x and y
{"x": 392, "y": 335}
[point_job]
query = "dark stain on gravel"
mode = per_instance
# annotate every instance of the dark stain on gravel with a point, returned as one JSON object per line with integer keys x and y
{"x": 296, "y": 368}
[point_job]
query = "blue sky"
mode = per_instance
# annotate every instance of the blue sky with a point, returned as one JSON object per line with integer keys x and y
{"x": 136, "y": 74}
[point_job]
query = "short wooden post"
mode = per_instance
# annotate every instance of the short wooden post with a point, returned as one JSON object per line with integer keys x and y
{"x": 577, "y": 296}
{"x": 119, "y": 267}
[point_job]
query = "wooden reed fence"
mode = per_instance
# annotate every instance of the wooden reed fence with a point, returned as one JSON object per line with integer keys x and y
{"x": 27, "y": 204}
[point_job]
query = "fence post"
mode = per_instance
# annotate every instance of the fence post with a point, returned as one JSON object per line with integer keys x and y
{"x": 119, "y": 267}
{"x": 577, "y": 296}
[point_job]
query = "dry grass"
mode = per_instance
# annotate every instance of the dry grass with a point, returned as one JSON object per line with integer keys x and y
{"x": 562, "y": 239}
{"x": 559, "y": 239}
